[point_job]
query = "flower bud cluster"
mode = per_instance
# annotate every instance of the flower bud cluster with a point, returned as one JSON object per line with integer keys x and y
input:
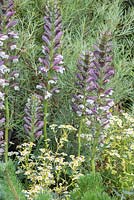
{"x": 93, "y": 95}
{"x": 52, "y": 61}
{"x": 33, "y": 119}
{"x": 7, "y": 58}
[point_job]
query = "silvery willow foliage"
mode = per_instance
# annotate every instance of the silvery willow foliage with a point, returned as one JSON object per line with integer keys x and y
{"x": 7, "y": 58}
{"x": 52, "y": 61}
{"x": 33, "y": 117}
{"x": 95, "y": 70}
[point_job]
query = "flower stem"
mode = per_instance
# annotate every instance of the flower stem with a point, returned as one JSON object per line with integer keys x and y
{"x": 45, "y": 122}
{"x": 6, "y": 128}
{"x": 94, "y": 150}
{"x": 79, "y": 134}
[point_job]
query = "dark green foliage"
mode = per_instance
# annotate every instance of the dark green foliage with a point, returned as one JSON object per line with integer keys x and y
{"x": 90, "y": 188}
{"x": 10, "y": 187}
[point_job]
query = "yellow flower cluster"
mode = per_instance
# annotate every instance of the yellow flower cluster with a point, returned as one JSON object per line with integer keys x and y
{"x": 47, "y": 169}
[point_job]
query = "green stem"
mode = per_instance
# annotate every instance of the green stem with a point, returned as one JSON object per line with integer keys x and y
{"x": 6, "y": 128}
{"x": 45, "y": 122}
{"x": 94, "y": 150}
{"x": 79, "y": 134}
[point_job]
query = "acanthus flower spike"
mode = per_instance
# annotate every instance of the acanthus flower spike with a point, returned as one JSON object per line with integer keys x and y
{"x": 33, "y": 119}
{"x": 92, "y": 101}
{"x": 7, "y": 73}
{"x": 52, "y": 60}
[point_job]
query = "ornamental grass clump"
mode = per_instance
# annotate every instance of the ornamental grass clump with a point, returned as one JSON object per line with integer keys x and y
{"x": 7, "y": 74}
{"x": 52, "y": 61}
{"x": 92, "y": 100}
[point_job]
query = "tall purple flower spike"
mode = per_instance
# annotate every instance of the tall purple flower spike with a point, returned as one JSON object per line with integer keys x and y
{"x": 79, "y": 99}
{"x": 7, "y": 58}
{"x": 92, "y": 99}
{"x": 52, "y": 61}
{"x": 101, "y": 70}
{"x": 33, "y": 119}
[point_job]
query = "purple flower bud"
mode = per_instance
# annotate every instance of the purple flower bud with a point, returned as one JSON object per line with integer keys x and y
{"x": 59, "y": 69}
{"x": 11, "y": 24}
{"x": 27, "y": 128}
{"x": 58, "y": 36}
{"x": 43, "y": 69}
{"x": 79, "y": 76}
{"x": 109, "y": 59}
{"x": 1, "y": 134}
{"x": 2, "y": 121}
{"x": 44, "y": 61}
{"x": 58, "y": 21}
{"x": 109, "y": 74}
{"x": 38, "y": 134}
{"x": 45, "y": 50}
{"x": 109, "y": 92}
{"x": 94, "y": 73}
{"x": 46, "y": 40}
{"x": 10, "y": 13}
{"x": 39, "y": 125}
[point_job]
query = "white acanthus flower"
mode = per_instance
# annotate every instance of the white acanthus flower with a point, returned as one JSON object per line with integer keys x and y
{"x": 4, "y": 69}
{"x": 79, "y": 113}
{"x": 3, "y": 37}
{"x": 12, "y": 47}
{"x": 2, "y": 96}
{"x": 47, "y": 95}
{"x": 3, "y": 83}
{"x": 111, "y": 103}
{"x": 16, "y": 75}
{"x": 16, "y": 88}
{"x": 52, "y": 82}
{"x": 39, "y": 86}
{"x": 1, "y": 43}
{"x": 3, "y": 55}
{"x": 90, "y": 101}
{"x": 81, "y": 106}
{"x": 15, "y": 60}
